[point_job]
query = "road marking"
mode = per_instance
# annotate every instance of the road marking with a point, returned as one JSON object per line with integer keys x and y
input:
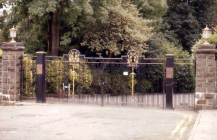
{"x": 178, "y": 126}
{"x": 182, "y": 126}
{"x": 190, "y": 117}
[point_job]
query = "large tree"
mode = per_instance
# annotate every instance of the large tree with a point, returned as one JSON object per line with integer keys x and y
{"x": 187, "y": 17}
{"x": 36, "y": 21}
{"x": 69, "y": 23}
{"x": 185, "y": 25}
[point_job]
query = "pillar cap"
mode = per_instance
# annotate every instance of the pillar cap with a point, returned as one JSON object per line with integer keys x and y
{"x": 12, "y": 46}
{"x": 41, "y": 52}
{"x": 169, "y": 54}
{"x": 206, "y": 48}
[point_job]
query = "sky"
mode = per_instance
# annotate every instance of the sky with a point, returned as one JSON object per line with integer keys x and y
{"x": 4, "y": 8}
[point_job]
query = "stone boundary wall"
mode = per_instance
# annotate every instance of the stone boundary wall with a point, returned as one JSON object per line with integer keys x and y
{"x": 0, "y": 79}
{"x": 0, "y": 74}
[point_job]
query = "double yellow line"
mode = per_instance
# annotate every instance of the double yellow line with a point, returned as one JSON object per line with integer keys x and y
{"x": 182, "y": 126}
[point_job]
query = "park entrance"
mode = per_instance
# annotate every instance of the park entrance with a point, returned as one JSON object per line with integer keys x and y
{"x": 131, "y": 80}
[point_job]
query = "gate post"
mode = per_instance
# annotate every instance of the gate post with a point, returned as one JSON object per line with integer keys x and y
{"x": 205, "y": 76}
{"x": 12, "y": 51}
{"x": 169, "y": 80}
{"x": 40, "y": 78}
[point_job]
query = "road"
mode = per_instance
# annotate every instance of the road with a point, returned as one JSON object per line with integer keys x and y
{"x": 88, "y": 122}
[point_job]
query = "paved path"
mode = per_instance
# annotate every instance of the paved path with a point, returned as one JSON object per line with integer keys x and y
{"x": 86, "y": 122}
{"x": 205, "y": 127}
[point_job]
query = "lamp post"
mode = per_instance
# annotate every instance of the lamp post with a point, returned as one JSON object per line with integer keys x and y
{"x": 206, "y": 34}
{"x": 125, "y": 73}
{"x": 73, "y": 73}
{"x": 133, "y": 60}
{"x": 13, "y": 34}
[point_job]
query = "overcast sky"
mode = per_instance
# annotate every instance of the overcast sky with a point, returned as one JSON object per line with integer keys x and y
{"x": 4, "y": 8}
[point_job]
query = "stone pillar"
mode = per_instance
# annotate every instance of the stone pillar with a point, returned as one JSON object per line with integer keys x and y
{"x": 0, "y": 74}
{"x": 12, "y": 51}
{"x": 205, "y": 75}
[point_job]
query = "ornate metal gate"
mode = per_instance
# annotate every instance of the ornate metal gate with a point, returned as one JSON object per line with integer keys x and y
{"x": 128, "y": 80}
{"x": 131, "y": 80}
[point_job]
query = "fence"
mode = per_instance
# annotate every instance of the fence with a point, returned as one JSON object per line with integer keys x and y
{"x": 108, "y": 81}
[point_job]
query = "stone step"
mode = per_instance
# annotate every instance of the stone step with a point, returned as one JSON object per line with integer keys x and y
{"x": 205, "y": 107}
{"x": 210, "y": 102}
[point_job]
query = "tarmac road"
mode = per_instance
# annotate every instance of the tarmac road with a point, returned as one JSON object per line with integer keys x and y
{"x": 87, "y": 122}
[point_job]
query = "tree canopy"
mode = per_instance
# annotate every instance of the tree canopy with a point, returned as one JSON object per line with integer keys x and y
{"x": 187, "y": 18}
{"x": 107, "y": 27}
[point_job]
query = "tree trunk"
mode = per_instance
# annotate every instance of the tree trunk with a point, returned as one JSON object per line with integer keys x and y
{"x": 55, "y": 31}
{"x": 55, "y": 35}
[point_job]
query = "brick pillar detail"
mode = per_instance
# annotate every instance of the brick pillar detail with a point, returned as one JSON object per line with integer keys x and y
{"x": 205, "y": 73}
{"x": 12, "y": 51}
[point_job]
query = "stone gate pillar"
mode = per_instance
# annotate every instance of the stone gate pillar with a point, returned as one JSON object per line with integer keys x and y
{"x": 205, "y": 76}
{"x": 11, "y": 70}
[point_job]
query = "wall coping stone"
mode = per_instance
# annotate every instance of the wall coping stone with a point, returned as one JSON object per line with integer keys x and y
{"x": 12, "y": 46}
{"x": 206, "y": 46}
{"x": 211, "y": 51}
{"x": 206, "y": 51}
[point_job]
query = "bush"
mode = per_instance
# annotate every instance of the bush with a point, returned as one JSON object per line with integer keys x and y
{"x": 29, "y": 75}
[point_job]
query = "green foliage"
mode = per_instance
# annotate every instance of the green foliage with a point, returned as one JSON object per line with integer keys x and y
{"x": 55, "y": 74}
{"x": 205, "y": 11}
{"x": 119, "y": 84}
{"x": 160, "y": 46}
{"x": 188, "y": 17}
{"x": 184, "y": 78}
{"x": 58, "y": 71}
{"x": 29, "y": 74}
{"x": 83, "y": 77}
{"x": 145, "y": 85}
{"x": 119, "y": 30}
{"x": 151, "y": 9}
{"x": 185, "y": 25}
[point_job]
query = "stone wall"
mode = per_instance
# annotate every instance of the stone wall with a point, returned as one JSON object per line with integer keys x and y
{"x": 12, "y": 51}
{"x": 0, "y": 74}
{"x": 0, "y": 79}
{"x": 205, "y": 74}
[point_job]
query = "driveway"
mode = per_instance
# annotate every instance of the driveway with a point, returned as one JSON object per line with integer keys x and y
{"x": 88, "y": 122}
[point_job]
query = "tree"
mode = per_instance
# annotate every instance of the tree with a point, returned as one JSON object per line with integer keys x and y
{"x": 118, "y": 28}
{"x": 205, "y": 11}
{"x": 37, "y": 18}
{"x": 188, "y": 17}
{"x": 151, "y": 9}
{"x": 180, "y": 17}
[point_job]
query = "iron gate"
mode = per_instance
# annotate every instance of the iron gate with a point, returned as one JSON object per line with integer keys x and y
{"x": 130, "y": 80}
{"x": 115, "y": 81}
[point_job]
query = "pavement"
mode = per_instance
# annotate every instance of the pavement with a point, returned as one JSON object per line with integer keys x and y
{"x": 205, "y": 127}
{"x": 30, "y": 121}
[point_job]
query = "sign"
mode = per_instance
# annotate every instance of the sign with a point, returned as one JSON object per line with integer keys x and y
{"x": 132, "y": 58}
{"x": 74, "y": 56}
{"x": 39, "y": 68}
{"x": 169, "y": 72}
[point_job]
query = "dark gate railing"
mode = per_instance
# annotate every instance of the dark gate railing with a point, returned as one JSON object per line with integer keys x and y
{"x": 105, "y": 81}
